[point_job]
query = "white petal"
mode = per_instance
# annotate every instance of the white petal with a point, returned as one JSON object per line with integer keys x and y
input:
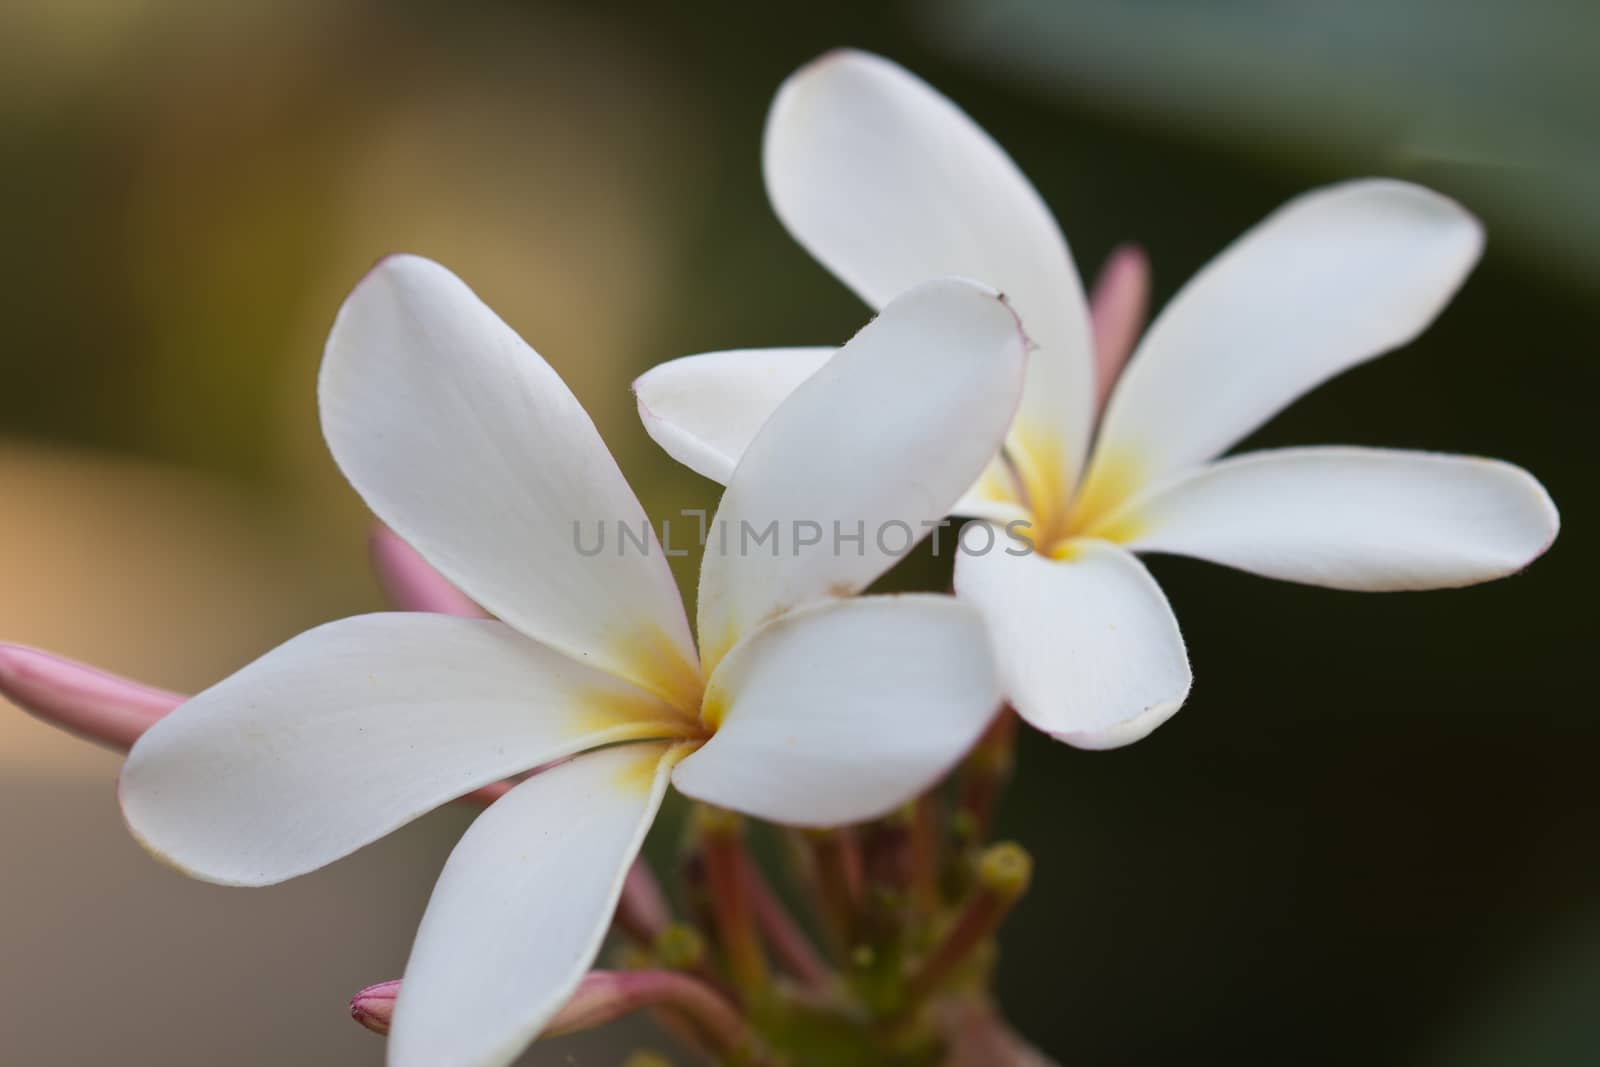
{"x": 843, "y": 711}
{"x": 889, "y": 184}
{"x": 1353, "y": 518}
{"x": 1088, "y": 649}
{"x": 1329, "y": 280}
{"x": 995, "y": 496}
{"x": 883, "y": 439}
{"x": 522, "y": 907}
{"x": 705, "y": 410}
{"x": 467, "y": 444}
{"x": 355, "y": 728}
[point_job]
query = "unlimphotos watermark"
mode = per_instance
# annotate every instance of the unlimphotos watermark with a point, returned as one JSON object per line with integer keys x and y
{"x": 796, "y": 537}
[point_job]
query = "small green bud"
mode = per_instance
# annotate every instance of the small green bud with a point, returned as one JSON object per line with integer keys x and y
{"x": 680, "y": 946}
{"x": 1005, "y": 869}
{"x": 646, "y": 1059}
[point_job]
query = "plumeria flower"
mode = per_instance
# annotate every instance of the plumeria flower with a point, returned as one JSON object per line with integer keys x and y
{"x": 799, "y": 705}
{"x": 887, "y": 183}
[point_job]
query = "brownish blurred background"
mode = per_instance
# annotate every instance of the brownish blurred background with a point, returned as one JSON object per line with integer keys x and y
{"x": 1370, "y": 837}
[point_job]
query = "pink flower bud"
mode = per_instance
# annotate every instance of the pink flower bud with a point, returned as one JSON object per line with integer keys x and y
{"x": 373, "y": 1007}
{"x": 88, "y": 702}
{"x": 1117, "y": 307}
{"x": 411, "y": 584}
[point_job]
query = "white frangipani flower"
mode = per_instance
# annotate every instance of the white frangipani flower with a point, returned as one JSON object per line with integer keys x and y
{"x": 805, "y": 707}
{"x": 889, "y": 183}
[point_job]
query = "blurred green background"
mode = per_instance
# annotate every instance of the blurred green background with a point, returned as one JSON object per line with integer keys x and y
{"x": 1369, "y": 838}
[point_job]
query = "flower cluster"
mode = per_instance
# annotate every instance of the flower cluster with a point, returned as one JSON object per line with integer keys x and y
{"x": 567, "y": 689}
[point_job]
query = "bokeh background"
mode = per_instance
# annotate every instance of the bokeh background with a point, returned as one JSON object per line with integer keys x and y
{"x": 1371, "y": 836}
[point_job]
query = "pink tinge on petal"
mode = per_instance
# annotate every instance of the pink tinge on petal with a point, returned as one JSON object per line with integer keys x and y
{"x": 491, "y": 792}
{"x": 1118, "y": 308}
{"x": 373, "y": 1007}
{"x": 82, "y": 699}
{"x": 410, "y": 582}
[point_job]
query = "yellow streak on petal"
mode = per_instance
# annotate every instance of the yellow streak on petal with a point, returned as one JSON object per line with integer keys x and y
{"x": 1119, "y": 528}
{"x": 1098, "y": 512}
{"x": 1066, "y": 551}
{"x": 715, "y": 708}
{"x": 996, "y": 484}
{"x": 624, "y": 713}
{"x": 638, "y": 776}
{"x": 1036, "y": 452}
{"x": 711, "y": 652}
{"x": 662, "y": 669}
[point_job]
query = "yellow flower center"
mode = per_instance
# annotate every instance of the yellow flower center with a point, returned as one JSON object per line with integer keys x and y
{"x": 1098, "y": 508}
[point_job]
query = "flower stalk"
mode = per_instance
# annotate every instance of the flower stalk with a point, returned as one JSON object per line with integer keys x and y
{"x": 1003, "y": 874}
{"x": 834, "y": 862}
{"x": 731, "y": 903}
{"x": 985, "y": 773}
{"x": 789, "y": 943}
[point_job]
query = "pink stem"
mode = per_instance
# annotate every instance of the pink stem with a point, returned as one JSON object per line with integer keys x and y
{"x": 1117, "y": 308}
{"x": 789, "y": 943}
{"x": 603, "y": 997}
{"x": 732, "y": 909}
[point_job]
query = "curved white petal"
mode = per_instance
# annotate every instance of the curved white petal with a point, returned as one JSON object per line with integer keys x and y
{"x": 1353, "y": 518}
{"x": 995, "y": 496}
{"x": 466, "y": 443}
{"x": 705, "y": 410}
{"x": 1087, "y": 646}
{"x": 843, "y": 711}
{"x": 522, "y": 907}
{"x": 888, "y": 184}
{"x": 355, "y": 728}
{"x": 1328, "y": 281}
{"x": 881, "y": 441}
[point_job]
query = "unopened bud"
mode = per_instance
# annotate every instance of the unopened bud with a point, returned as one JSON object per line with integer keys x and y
{"x": 1005, "y": 869}
{"x": 410, "y": 581}
{"x": 79, "y": 698}
{"x": 646, "y": 1059}
{"x": 373, "y": 1007}
{"x": 680, "y": 947}
{"x": 1003, "y": 874}
{"x": 717, "y": 822}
